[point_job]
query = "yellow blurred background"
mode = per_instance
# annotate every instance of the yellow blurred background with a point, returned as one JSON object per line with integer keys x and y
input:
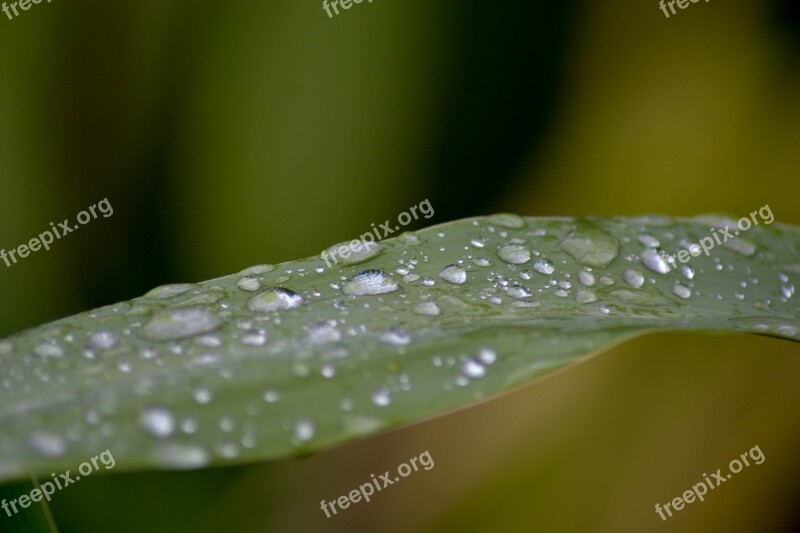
{"x": 231, "y": 134}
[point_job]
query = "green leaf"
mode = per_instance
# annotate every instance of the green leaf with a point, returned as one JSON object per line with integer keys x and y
{"x": 279, "y": 361}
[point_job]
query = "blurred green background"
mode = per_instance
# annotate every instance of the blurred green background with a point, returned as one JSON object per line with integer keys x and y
{"x": 231, "y": 134}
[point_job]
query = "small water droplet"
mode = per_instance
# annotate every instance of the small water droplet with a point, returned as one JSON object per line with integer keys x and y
{"x": 304, "y": 430}
{"x": 687, "y": 271}
{"x": 381, "y": 398}
{"x": 203, "y": 396}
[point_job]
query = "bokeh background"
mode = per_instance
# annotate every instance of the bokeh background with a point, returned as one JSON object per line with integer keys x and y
{"x": 227, "y": 134}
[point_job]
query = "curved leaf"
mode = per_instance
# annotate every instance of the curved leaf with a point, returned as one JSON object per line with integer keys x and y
{"x": 285, "y": 360}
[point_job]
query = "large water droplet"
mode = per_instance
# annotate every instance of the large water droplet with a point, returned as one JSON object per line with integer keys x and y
{"x": 168, "y": 291}
{"x": 275, "y": 299}
{"x": 355, "y": 252}
{"x": 682, "y": 291}
{"x": 544, "y": 266}
{"x": 157, "y": 421}
{"x": 507, "y": 220}
{"x": 515, "y": 254}
{"x": 454, "y": 274}
{"x": 652, "y": 259}
{"x": 369, "y": 282}
{"x": 590, "y": 245}
{"x": 47, "y": 444}
{"x": 180, "y": 324}
{"x": 633, "y": 278}
{"x": 428, "y": 309}
{"x": 249, "y": 284}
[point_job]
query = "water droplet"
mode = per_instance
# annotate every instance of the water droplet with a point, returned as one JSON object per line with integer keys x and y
{"x": 381, "y": 398}
{"x": 454, "y": 274}
{"x": 327, "y": 371}
{"x": 271, "y": 396}
{"x": 478, "y": 242}
{"x": 203, "y": 396}
{"x": 275, "y": 299}
{"x": 257, "y": 270}
{"x": 355, "y": 252}
{"x": 741, "y": 245}
{"x": 370, "y": 282}
{"x": 682, "y": 291}
{"x": 48, "y": 350}
{"x": 180, "y": 456}
{"x": 249, "y": 284}
{"x": 633, "y": 278}
{"x": 652, "y": 259}
{"x": 487, "y": 356}
{"x": 648, "y": 241}
{"x": 304, "y": 430}
{"x": 787, "y": 290}
{"x": 168, "y": 291}
{"x": 254, "y": 338}
{"x": 180, "y": 324}
{"x": 428, "y": 309}
{"x": 687, "y": 271}
{"x": 323, "y": 333}
{"x": 585, "y": 296}
{"x": 507, "y": 220}
{"x": 103, "y": 340}
{"x": 518, "y": 291}
{"x": 396, "y": 337}
{"x": 590, "y": 245}
{"x": 473, "y": 369}
{"x": 157, "y": 421}
{"x": 586, "y": 278}
{"x": 47, "y": 444}
{"x": 544, "y": 266}
{"x": 514, "y": 254}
